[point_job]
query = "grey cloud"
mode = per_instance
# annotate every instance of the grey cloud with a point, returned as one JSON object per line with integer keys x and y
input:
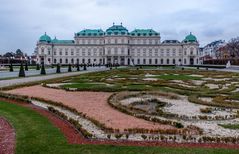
{"x": 22, "y": 22}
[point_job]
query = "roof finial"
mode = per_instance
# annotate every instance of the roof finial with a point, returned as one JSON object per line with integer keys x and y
{"x": 113, "y": 23}
{"x": 45, "y": 33}
{"x": 121, "y": 23}
{"x": 190, "y": 33}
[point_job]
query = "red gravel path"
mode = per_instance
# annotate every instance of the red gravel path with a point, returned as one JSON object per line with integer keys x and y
{"x": 73, "y": 137}
{"x": 7, "y": 137}
{"x": 93, "y": 104}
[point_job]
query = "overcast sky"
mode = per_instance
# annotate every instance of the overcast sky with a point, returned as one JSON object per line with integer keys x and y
{"x": 22, "y": 22}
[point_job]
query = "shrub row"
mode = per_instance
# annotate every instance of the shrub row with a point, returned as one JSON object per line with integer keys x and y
{"x": 15, "y": 97}
{"x": 75, "y": 123}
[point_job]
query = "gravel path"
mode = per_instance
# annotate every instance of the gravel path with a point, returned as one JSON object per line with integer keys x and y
{"x": 5, "y": 83}
{"x": 93, "y": 104}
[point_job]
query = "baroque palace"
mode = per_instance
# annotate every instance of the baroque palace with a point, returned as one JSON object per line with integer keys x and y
{"x": 117, "y": 45}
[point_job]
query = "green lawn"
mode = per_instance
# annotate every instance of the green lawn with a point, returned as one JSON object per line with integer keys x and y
{"x": 35, "y": 134}
{"x": 231, "y": 126}
{"x": 177, "y": 77}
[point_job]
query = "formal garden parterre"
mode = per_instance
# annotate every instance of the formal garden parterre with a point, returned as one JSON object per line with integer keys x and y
{"x": 163, "y": 105}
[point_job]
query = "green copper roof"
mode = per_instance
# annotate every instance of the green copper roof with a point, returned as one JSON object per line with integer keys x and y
{"x": 144, "y": 32}
{"x": 190, "y": 38}
{"x": 45, "y": 38}
{"x": 117, "y": 30}
{"x": 56, "y": 41}
{"x": 90, "y": 32}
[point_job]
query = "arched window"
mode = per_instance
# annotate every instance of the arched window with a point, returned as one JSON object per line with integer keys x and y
{"x": 156, "y": 61}
{"x": 42, "y": 50}
{"x": 77, "y": 60}
{"x": 83, "y": 61}
{"x": 174, "y": 61}
{"x": 66, "y": 61}
{"x": 144, "y": 61}
{"x": 55, "y": 61}
{"x": 138, "y": 61}
{"x": 161, "y": 61}
{"x": 150, "y": 61}
{"x": 49, "y": 51}
{"x": 191, "y": 51}
{"x": 167, "y": 61}
{"x": 185, "y": 61}
{"x": 60, "y": 61}
{"x": 72, "y": 61}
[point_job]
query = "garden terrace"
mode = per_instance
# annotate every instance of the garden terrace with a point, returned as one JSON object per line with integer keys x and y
{"x": 40, "y": 133}
{"x": 194, "y": 105}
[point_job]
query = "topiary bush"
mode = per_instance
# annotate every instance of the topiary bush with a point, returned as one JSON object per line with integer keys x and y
{"x": 77, "y": 67}
{"x": 26, "y": 66}
{"x": 69, "y": 68}
{"x": 43, "y": 71}
{"x": 21, "y": 71}
{"x": 11, "y": 68}
{"x": 58, "y": 68}
{"x": 85, "y": 67}
{"x": 38, "y": 67}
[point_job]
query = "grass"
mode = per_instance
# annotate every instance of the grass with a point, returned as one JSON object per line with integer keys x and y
{"x": 35, "y": 134}
{"x": 85, "y": 85}
{"x": 230, "y": 126}
{"x": 178, "y": 77}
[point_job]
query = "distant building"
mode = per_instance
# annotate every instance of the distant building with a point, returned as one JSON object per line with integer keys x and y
{"x": 210, "y": 50}
{"x": 117, "y": 45}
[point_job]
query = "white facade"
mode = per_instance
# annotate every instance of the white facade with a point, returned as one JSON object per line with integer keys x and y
{"x": 117, "y": 46}
{"x": 211, "y": 48}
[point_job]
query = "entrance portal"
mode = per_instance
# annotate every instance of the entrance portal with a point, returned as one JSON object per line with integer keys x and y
{"x": 191, "y": 61}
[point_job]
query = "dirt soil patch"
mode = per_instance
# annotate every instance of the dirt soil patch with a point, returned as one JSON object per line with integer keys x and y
{"x": 7, "y": 137}
{"x": 93, "y": 104}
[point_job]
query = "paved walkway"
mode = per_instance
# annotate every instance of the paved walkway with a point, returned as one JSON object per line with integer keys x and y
{"x": 31, "y": 72}
{"x": 5, "y": 83}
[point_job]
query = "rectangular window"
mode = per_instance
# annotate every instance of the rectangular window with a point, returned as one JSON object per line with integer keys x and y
{"x": 150, "y": 61}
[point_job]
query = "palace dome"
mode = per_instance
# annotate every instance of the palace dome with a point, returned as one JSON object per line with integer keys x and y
{"x": 45, "y": 38}
{"x": 190, "y": 38}
{"x": 117, "y": 30}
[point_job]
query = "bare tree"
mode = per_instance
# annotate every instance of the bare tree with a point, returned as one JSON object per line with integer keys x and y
{"x": 233, "y": 48}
